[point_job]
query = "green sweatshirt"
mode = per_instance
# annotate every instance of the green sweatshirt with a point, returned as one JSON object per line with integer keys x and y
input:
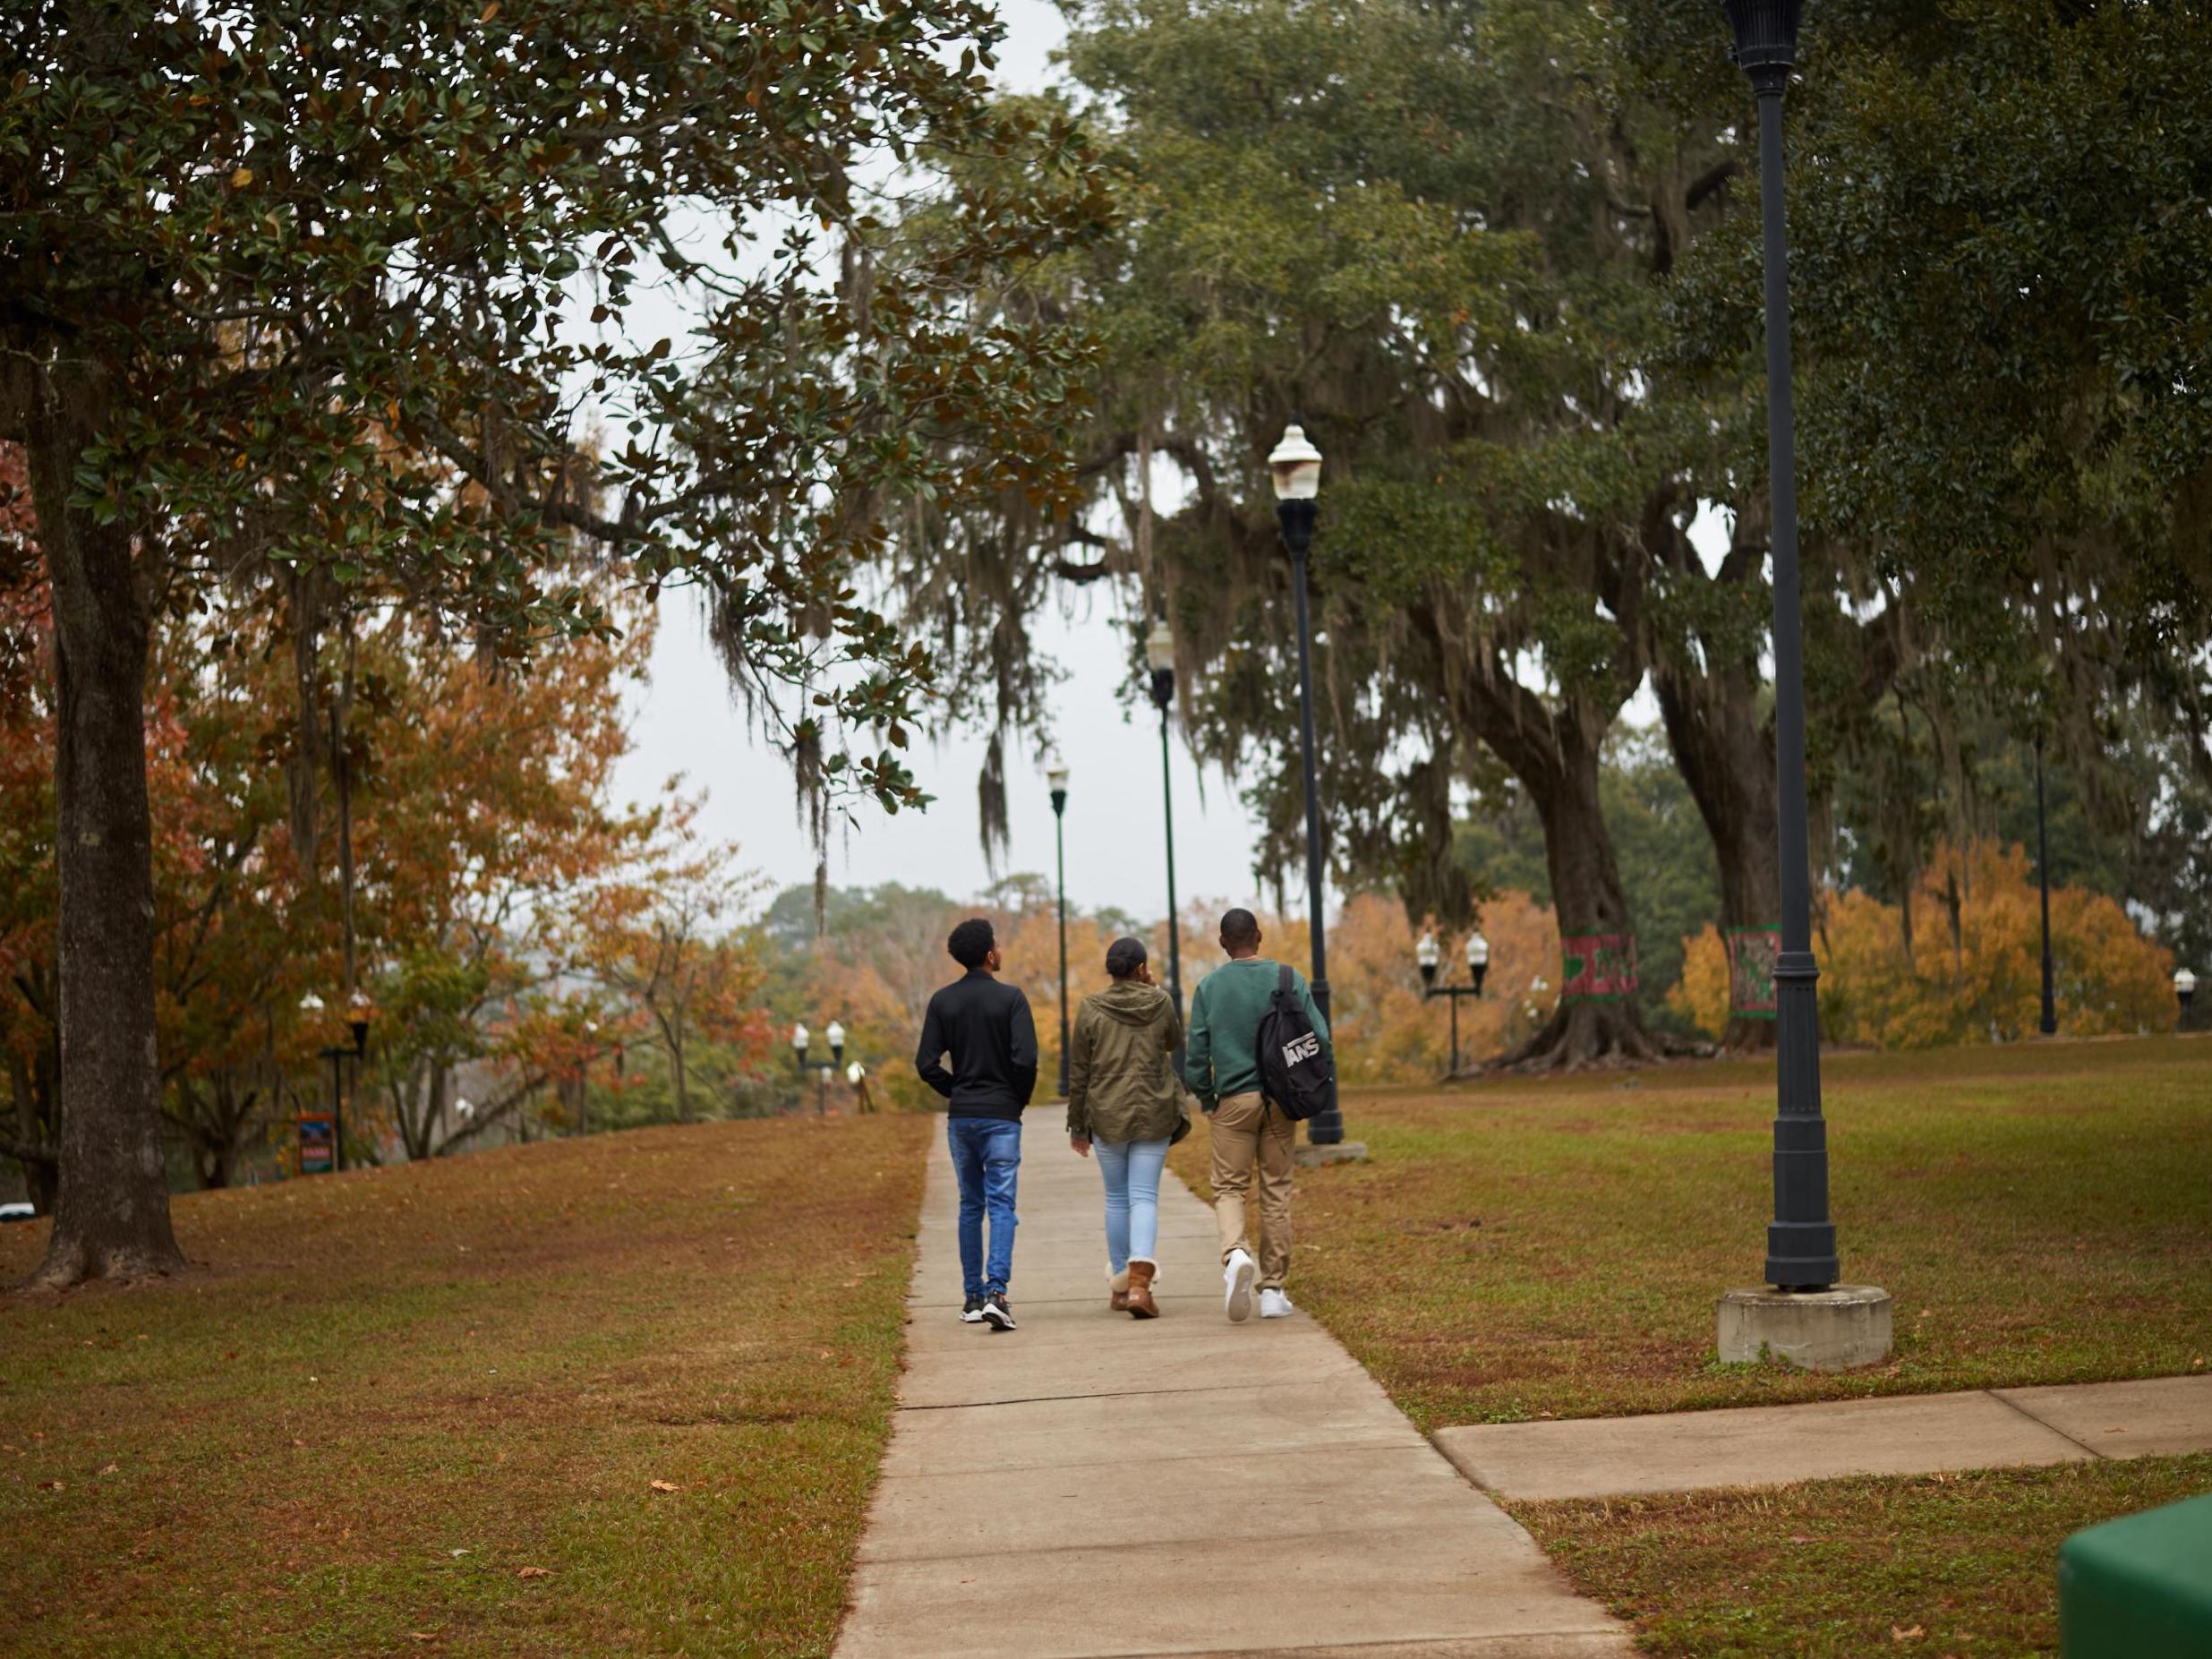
{"x": 1225, "y": 1012}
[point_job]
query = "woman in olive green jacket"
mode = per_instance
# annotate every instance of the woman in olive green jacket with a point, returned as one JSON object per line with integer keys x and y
{"x": 1125, "y": 1100}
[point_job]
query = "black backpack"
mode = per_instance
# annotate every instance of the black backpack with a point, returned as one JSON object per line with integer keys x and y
{"x": 1294, "y": 1074}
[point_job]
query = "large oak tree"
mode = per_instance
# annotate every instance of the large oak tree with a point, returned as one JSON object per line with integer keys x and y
{"x": 338, "y": 299}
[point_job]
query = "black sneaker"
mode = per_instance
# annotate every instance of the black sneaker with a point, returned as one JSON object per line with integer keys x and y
{"x": 971, "y": 1310}
{"x": 997, "y": 1314}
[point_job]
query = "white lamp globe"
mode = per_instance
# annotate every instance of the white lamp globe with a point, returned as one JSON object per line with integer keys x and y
{"x": 1159, "y": 648}
{"x": 1294, "y": 466}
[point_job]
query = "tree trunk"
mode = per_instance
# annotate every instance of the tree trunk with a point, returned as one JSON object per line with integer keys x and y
{"x": 1725, "y": 752}
{"x": 1555, "y": 752}
{"x": 681, "y": 1074}
{"x": 111, "y": 1217}
{"x": 1588, "y": 899}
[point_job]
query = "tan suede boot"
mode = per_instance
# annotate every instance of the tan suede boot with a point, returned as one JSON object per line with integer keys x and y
{"x": 1141, "y": 1303}
{"x": 1118, "y": 1285}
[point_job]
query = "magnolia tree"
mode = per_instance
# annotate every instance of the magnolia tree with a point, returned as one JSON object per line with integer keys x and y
{"x": 326, "y": 302}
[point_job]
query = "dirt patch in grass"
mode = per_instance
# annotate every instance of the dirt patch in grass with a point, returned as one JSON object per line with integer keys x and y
{"x": 389, "y": 1393}
{"x": 1956, "y": 1565}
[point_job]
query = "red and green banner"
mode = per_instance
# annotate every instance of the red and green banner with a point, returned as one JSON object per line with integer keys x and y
{"x": 1598, "y": 967}
{"x": 318, "y": 1146}
{"x": 1752, "y": 953}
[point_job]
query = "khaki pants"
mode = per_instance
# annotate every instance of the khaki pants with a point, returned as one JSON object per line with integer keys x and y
{"x": 1247, "y": 1134}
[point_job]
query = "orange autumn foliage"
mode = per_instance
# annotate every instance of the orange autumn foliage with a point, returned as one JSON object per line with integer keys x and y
{"x": 1388, "y": 1032}
{"x": 878, "y": 980}
{"x": 1977, "y": 981}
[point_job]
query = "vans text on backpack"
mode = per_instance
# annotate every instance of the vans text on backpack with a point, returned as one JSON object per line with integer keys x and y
{"x": 1293, "y": 1076}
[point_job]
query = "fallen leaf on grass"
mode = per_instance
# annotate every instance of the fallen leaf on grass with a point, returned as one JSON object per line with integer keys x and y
{"x": 535, "y": 1572}
{"x": 51, "y": 1486}
{"x": 1912, "y": 1634}
{"x": 665, "y": 1486}
{"x": 422, "y": 1636}
{"x": 110, "y": 1469}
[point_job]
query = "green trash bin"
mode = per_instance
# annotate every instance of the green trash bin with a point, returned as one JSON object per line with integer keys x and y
{"x": 2140, "y": 1587}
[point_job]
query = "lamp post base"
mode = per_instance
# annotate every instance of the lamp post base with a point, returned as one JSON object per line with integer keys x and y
{"x": 1839, "y": 1329}
{"x": 1308, "y": 1155}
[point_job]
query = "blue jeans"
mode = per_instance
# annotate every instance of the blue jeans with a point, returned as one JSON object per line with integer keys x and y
{"x": 1132, "y": 1169}
{"x": 986, "y": 1156}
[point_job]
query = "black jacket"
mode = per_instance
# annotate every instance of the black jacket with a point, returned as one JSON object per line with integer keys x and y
{"x": 985, "y": 1026}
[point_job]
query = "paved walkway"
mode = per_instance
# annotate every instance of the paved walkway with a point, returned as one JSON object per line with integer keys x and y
{"x": 1093, "y": 1485}
{"x": 1896, "y": 1434}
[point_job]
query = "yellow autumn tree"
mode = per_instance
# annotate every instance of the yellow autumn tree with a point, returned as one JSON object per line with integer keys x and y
{"x": 1386, "y": 1031}
{"x": 1972, "y": 971}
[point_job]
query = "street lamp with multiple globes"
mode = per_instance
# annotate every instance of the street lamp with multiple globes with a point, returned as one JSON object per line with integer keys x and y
{"x": 1056, "y": 780}
{"x": 1801, "y": 1242}
{"x": 1294, "y": 468}
{"x": 801, "y": 1037}
{"x": 1429, "y": 957}
{"x": 357, "y": 1015}
{"x": 1160, "y": 656}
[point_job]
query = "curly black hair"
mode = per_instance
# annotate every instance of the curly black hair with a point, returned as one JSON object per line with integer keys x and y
{"x": 972, "y": 942}
{"x": 1124, "y": 957}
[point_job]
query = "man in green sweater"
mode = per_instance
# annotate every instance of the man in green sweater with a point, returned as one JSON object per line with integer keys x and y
{"x": 1222, "y": 1069}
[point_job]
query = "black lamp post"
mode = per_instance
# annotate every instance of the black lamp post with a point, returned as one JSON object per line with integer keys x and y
{"x": 357, "y": 1023}
{"x": 1801, "y": 1243}
{"x": 1478, "y": 965}
{"x": 1057, "y": 780}
{"x": 1295, "y": 467}
{"x": 2043, "y": 876}
{"x": 1159, "y": 656}
{"x": 801, "y": 1039}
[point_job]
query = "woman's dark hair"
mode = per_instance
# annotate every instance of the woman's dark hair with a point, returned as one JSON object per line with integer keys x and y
{"x": 1124, "y": 957}
{"x": 972, "y": 942}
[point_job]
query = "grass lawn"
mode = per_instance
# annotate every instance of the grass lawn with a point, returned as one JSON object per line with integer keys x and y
{"x": 1837, "y": 1569}
{"x": 425, "y": 1409}
{"x": 1553, "y": 1248}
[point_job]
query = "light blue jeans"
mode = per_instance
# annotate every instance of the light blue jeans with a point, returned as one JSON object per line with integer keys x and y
{"x": 1132, "y": 1169}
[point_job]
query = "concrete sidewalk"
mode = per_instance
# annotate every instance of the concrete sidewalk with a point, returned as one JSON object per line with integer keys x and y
{"x": 1092, "y": 1484}
{"x": 1895, "y": 1434}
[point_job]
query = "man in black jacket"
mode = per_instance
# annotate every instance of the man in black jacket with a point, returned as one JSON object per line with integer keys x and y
{"x": 987, "y": 1029}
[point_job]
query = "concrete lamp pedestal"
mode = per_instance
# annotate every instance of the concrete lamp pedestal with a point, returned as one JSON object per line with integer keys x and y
{"x": 1834, "y": 1329}
{"x": 1308, "y": 1155}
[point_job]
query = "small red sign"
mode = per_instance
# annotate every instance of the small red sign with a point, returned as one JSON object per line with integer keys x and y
{"x": 1598, "y": 966}
{"x": 318, "y": 1146}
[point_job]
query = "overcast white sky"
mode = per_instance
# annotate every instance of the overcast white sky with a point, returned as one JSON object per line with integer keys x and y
{"x": 684, "y": 722}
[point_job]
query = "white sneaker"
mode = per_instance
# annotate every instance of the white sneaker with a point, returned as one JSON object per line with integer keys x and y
{"x": 1237, "y": 1277}
{"x": 1274, "y": 1305}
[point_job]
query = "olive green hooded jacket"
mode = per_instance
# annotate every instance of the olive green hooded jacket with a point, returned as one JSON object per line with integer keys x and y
{"x": 1122, "y": 1083}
